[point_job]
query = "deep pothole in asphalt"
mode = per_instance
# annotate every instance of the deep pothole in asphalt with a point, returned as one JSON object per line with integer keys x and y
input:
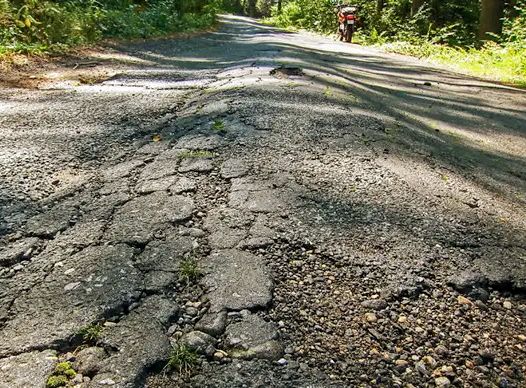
{"x": 287, "y": 71}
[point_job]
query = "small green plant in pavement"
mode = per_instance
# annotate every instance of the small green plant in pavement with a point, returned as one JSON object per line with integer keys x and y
{"x": 182, "y": 359}
{"x": 189, "y": 270}
{"x": 196, "y": 154}
{"x": 61, "y": 375}
{"x": 65, "y": 368}
{"x": 56, "y": 381}
{"x": 218, "y": 126}
{"x": 91, "y": 333}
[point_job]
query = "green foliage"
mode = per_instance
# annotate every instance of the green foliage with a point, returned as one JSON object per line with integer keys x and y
{"x": 182, "y": 359}
{"x": 514, "y": 33}
{"x": 264, "y": 7}
{"x": 91, "y": 333}
{"x": 62, "y": 367}
{"x": 56, "y": 381}
{"x": 189, "y": 270}
{"x": 219, "y": 126}
{"x": 315, "y": 15}
{"x": 505, "y": 63}
{"x": 38, "y": 26}
{"x": 195, "y": 154}
{"x": 61, "y": 375}
{"x": 441, "y": 30}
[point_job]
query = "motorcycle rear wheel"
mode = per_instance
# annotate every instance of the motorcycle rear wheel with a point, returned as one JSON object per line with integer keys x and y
{"x": 348, "y": 34}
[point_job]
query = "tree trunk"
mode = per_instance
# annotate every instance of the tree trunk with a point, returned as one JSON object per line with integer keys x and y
{"x": 251, "y": 8}
{"x": 379, "y": 7}
{"x": 416, "y": 5}
{"x": 238, "y": 7}
{"x": 491, "y": 13}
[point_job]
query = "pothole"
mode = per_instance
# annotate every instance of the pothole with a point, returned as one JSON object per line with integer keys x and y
{"x": 287, "y": 72}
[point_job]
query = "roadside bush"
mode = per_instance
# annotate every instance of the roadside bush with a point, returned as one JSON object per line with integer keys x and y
{"x": 318, "y": 16}
{"x": 36, "y": 26}
{"x": 501, "y": 62}
{"x": 514, "y": 32}
{"x": 442, "y": 31}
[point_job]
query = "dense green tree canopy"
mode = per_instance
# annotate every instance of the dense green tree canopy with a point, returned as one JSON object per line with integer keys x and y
{"x": 445, "y": 21}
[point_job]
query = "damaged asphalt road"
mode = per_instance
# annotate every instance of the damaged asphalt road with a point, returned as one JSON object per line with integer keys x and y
{"x": 295, "y": 211}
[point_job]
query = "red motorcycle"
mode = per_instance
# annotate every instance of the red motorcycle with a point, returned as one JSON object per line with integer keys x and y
{"x": 346, "y": 21}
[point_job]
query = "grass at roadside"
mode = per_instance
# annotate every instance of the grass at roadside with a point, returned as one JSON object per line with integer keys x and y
{"x": 496, "y": 62}
{"x": 500, "y": 63}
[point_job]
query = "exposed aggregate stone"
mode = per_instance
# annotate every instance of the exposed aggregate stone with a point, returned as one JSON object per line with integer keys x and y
{"x": 323, "y": 258}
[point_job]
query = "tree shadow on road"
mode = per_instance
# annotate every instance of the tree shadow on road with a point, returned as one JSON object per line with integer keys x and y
{"x": 476, "y": 126}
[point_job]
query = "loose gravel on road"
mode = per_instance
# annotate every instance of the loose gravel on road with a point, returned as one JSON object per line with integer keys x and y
{"x": 255, "y": 208}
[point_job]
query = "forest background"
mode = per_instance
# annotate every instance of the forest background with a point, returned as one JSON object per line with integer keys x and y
{"x": 481, "y": 37}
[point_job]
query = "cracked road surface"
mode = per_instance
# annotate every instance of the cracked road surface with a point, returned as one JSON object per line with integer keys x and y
{"x": 296, "y": 211}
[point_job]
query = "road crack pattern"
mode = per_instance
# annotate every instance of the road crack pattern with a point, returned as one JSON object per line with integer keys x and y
{"x": 245, "y": 195}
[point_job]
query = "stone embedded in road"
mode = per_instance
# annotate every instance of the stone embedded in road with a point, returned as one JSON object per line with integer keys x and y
{"x": 375, "y": 304}
{"x": 253, "y": 337}
{"x": 213, "y": 324}
{"x": 198, "y": 341}
{"x": 138, "y": 220}
{"x": 234, "y": 168}
{"x": 237, "y": 280}
{"x": 150, "y": 186}
{"x": 196, "y": 165}
{"x": 27, "y": 369}
{"x": 442, "y": 382}
{"x": 104, "y": 281}
{"x": 89, "y": 360}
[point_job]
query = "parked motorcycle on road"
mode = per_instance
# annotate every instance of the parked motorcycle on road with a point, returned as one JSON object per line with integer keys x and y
{"x": 346, "y": 21}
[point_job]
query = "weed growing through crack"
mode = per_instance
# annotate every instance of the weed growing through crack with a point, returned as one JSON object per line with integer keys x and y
{"x": 196, "y": 154}
{"x": 182, "y": 360}
{"x": 219, "y": 127}
{"x": 61, "y": 375}
{"x": 65, "y": 368}
{"x": 91, "y": 333}
{"x": 56, "y": 381}
{"x": 189, "y": 270}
